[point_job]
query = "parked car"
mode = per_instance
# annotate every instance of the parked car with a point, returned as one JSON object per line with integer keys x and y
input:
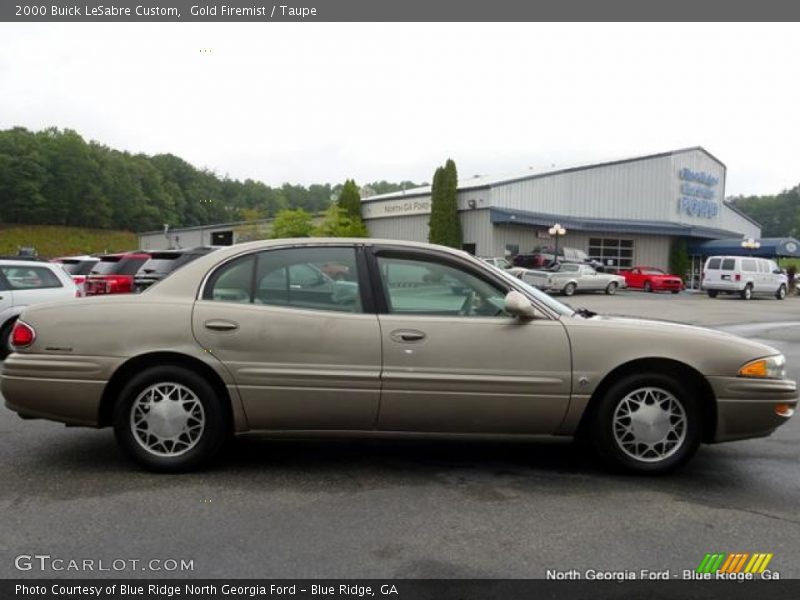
{"x": 426, "y": 341}
{"x": 652, "y": 279}
{"x": 569, "y": 278}
{"x": 746, "y": 276}
{"x": 78, "y": 267}
{"x": 24, "y": 283}
{"x": 497, "y": 261}
{"x": 543, "y": 257}
{"x": 113, "y": 273}
{"x": 163, "y": 262}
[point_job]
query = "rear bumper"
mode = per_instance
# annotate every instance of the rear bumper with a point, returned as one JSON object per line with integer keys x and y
{"x": 67, "y": 389}
{"x": 746, "y": 407}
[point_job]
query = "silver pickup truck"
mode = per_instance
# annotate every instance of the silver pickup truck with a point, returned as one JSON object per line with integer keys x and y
{"x": 571, "y": 278}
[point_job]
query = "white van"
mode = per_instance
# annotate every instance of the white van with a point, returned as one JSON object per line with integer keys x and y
{"x": 743, "y": 275}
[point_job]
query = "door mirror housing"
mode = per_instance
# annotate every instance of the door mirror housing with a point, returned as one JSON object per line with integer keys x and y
{"x": 518, "y": 305}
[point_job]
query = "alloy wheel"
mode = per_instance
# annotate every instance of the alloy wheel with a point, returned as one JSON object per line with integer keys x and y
{"x": 649, "y": 424}
{"x": 167, "y": 419}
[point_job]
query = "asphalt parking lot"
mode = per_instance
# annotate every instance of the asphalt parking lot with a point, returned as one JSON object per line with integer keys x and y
{"x": 388, "y": 509}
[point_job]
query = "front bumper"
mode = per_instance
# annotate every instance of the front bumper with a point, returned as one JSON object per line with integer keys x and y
{"x": 746, "y": 407}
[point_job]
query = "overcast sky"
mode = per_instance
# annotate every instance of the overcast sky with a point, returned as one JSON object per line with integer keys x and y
{"x": 314, "y": 103}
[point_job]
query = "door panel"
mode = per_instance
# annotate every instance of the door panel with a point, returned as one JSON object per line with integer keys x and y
{"x": 488, "y": 375}
{"x": 453, "y": 361}
{"x": 303, "y": 353}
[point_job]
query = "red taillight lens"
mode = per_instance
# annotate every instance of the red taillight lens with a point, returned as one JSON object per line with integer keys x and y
{"x": 22, "y": 335}
{"x": 738, "y": 277}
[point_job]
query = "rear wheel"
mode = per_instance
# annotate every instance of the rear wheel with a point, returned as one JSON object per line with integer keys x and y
{"x": 648, "y": 287}
{"x": 569, "y": 289}
{"x": 646, "y": 423}
{"x": 712, "y": 293}
{"x": 611, "y": 288}
{"x": 781, "y": 293}
{"x": 675, "y": 291}
{"x": 170, "y": 419}
{"x": 5, "y": 339}
{"x": 747, "y": 292}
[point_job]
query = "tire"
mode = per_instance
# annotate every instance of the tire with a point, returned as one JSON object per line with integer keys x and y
{"x": 675, "y": 291}
{"x": 747, "y": 292}
{"x": 781, "y": 293}
{"x": 648, "y": 287}
{"x": 611, "y": 288}
{"x": 569, "y": 289}
{"x": 712, "y": 293}
{"x": 5, "y": 338}
{"x": 661, "y": 395}
{"x": 180, "y": 446}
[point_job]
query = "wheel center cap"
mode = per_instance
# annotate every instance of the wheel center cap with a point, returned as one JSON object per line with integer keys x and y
{"x": 650, "y": 424}
{"x": 166, "y": 418}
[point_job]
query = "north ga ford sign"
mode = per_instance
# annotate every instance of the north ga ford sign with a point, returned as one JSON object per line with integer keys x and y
{"x": 697, "y": 194}
{"x": 395, "y": 208}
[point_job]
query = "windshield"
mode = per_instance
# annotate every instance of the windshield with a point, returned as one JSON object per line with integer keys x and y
{"x": 551, "y": 303}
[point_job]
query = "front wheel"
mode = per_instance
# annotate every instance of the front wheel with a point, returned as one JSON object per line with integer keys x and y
{"x": 569, "y": 289}
{"x": 170, "y": 419}
{"x": 747, "y": 292}
{"x": 646, "y": 423}
{"x": 712, "y": 293}
{"x": 611, "y": 288}
{"x": 781, "y": 293}
{"x": 648, "y": 287}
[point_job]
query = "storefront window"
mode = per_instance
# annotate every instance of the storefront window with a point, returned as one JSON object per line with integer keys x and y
{"x": 619, "y": 252}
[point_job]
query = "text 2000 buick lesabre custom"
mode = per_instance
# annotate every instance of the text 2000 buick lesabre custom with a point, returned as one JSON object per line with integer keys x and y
{"x": 407, "y": 340}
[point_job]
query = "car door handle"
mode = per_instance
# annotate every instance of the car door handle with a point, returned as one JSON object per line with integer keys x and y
{"x": 221, "y": 325}
{"x": 407, "y": 335}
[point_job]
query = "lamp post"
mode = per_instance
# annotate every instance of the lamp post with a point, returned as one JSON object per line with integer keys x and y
{"x": 750, "y": 245}
{"x": 556, "y": 231}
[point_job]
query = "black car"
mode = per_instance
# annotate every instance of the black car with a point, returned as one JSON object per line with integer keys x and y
{"x": 164, "y": 262}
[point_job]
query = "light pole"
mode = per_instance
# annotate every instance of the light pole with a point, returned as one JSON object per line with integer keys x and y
{"x": 556, "y": 231}
{"x": 750, "y": 245}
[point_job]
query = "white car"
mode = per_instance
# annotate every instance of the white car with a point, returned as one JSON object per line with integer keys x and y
{"x": 26, "y": 282}
{"x": 744, "y": 275}
{"x": 569, "y": 278}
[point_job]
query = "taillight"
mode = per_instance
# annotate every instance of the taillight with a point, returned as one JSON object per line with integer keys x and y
{"x": 738, "y": 277}
{"x": 22, "y": 335}
{"x": 702, "y": 276}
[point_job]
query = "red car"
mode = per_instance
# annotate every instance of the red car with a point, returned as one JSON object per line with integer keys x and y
{"x": 652, "y": 279}
{"x": 113, "y": 274}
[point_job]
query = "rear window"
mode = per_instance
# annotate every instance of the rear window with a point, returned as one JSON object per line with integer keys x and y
{"x": 30, "y": 278}
{"x": 728, "y": 264}
{"x": 129, "y": 266}
{"x": 78, "y": 267}
{"x": 713, "y": 263}
{"x": 161, "y": 263}
{"x": 106, "y": 266}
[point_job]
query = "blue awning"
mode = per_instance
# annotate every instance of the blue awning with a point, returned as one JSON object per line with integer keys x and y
{"x": 769, "y": 248}
{"x": 504, "y": 216}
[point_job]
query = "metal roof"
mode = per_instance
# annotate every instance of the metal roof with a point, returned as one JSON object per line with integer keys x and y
{"x": 487, "y": 181}
{"x": 769, "y": 248}
{"x": 503, "y": 216}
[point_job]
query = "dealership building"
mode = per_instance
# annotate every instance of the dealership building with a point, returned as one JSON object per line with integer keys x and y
{"x": 622, "y": 212}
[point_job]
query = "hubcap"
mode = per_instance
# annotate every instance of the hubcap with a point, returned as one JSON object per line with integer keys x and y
{"x": 167, "y": 419}
{"x": 649, "y": 424}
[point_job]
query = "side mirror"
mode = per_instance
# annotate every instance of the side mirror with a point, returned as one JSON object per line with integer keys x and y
{"x": 777, "y": 272}
{"x": 518, "y": 305}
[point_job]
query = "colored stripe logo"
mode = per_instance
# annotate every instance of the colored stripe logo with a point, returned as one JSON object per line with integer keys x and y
{"x": 738, "y": 562}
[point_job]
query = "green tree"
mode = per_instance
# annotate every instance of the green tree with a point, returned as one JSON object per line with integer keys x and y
{"x": 444, "y": 223}
{"x": 291, "y": 223}
{"x": 338, "y": 223}
{"x": 350, "y": 199}
{"x": 679, "y": 258}
{"x": 252, "y": 229}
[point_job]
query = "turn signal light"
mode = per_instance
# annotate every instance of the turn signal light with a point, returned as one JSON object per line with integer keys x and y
{"x": 22, "y": 335}
{"x": 757, "y": 368}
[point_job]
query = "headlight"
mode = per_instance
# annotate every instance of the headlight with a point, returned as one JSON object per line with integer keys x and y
{"x": 772, "y": 367}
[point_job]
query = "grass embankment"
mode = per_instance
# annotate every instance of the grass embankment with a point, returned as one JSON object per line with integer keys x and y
{"x": 52, "y": 240}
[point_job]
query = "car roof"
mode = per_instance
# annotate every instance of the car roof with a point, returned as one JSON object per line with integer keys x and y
{"x": 7, "y": 262}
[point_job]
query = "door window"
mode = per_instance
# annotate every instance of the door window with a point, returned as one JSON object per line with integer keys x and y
{"x": 424, "y": 287}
